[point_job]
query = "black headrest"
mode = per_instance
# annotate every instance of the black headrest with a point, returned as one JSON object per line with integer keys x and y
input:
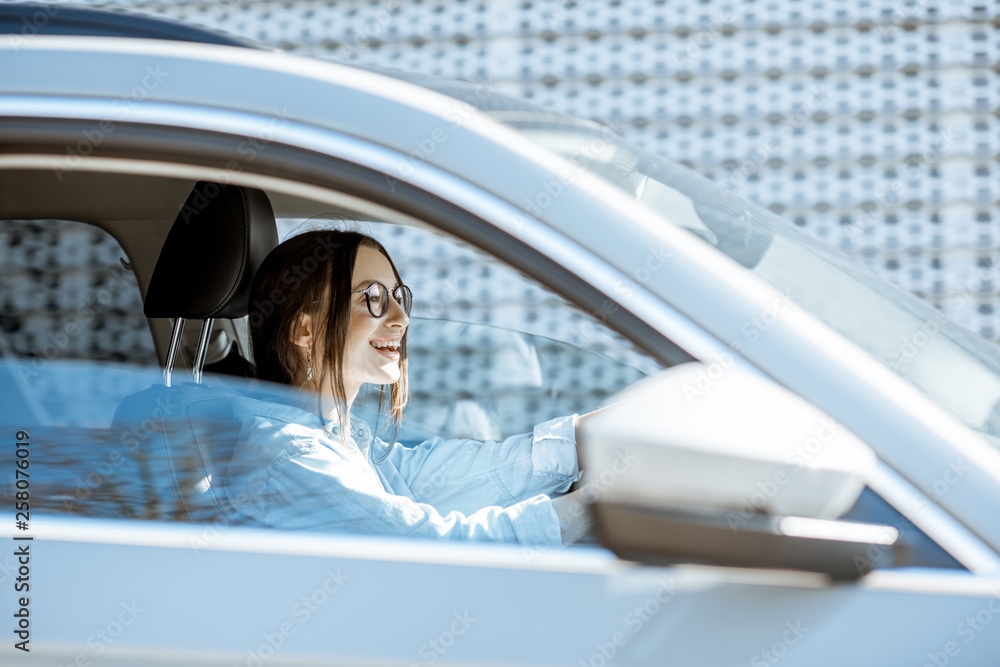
{"x": 215, "y": 246}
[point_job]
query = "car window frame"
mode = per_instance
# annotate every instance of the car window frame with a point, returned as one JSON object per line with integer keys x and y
{"x": 200, "y": 153}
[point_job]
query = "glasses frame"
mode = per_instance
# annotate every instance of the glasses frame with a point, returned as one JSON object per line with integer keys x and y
{"x": 404, "y": 298}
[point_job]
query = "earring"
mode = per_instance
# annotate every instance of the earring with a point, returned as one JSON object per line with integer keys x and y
{"x": 309, "y": 366}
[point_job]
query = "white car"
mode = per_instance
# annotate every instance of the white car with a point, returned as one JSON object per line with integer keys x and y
{"x": 799, "y": 464}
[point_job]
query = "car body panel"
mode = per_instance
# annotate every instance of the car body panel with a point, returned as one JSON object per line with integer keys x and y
{"x": 374, "y": 604}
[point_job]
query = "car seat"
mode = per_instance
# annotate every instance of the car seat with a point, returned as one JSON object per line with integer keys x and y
{"x": 171, "y": 441}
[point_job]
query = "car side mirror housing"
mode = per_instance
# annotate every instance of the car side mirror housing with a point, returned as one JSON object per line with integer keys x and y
{"x": 711, "y": 465}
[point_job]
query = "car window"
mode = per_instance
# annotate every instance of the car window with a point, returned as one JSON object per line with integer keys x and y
{"x": 491, "y": 351}
{"x": 65, "y": 294}
{"x": 70, "y": 307}
{"x": 492, "y": 354}
{"x": 957, "y": 369}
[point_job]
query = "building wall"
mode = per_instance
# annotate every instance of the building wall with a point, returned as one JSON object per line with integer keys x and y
{"x": 873, "y": 125}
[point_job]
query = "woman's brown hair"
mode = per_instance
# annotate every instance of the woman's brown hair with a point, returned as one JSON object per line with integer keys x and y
{"x": 293, "y": 279}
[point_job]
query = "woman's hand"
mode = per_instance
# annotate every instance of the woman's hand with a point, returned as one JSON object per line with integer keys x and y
{"x": 579, "y": 460}
{"x": 574, "y": 517}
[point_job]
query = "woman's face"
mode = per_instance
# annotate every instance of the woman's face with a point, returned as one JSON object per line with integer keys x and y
{"x": 363, "y": 361}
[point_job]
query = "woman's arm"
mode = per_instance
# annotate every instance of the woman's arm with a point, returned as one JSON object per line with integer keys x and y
{"x": 465, "y": 475}
{"x": 288, "y": 475}
{"x": 318, "y": 489}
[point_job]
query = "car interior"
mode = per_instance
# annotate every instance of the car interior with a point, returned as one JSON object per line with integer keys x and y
{"x": 139, "y": 211}
{"x": 204, "y": 271}
{"x": 193, "y": 248}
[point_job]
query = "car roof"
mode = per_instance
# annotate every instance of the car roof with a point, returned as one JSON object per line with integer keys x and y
{"x": 404, "y": 133}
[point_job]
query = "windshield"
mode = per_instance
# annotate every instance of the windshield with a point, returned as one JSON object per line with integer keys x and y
{"x": 957, "y": 369}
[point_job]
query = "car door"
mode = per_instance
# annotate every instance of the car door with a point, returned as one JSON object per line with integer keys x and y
{"x": 209, "y": 594}
{"x": 191, "y": 593}
{"x": 143, "y": 588}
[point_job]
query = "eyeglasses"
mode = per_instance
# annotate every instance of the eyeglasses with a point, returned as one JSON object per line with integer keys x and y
{"x": 378, "y": 301}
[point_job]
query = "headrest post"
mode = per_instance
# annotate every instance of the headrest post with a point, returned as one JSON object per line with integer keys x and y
{"x": 175, "y": 338}
{"x": 199, "y": 355}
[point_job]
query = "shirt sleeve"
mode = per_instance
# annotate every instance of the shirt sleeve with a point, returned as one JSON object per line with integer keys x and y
{"x": 465, "y": 475}
{"x": 313, "y": 487}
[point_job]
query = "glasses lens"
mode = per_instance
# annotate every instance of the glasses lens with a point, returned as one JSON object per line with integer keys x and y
{"x": 377, "y": 302}
{"x": 404, "y": 297}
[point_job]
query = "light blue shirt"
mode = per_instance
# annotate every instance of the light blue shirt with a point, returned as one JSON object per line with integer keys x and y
{"x": 288, "y": 472}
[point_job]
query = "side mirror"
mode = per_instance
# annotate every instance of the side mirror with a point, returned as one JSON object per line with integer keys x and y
{"x": 719, "y": 466}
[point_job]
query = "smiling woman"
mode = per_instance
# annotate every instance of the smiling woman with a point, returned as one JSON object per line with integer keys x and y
{"x": 327, "y": 323}
{"x": 313, "y": 304}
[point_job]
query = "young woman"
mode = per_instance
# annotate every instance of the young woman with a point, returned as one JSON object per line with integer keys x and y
{"x": 329, "y": 313}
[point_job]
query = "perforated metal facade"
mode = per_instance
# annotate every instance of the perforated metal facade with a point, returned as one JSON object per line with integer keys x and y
{"x": 873, "y": 125}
